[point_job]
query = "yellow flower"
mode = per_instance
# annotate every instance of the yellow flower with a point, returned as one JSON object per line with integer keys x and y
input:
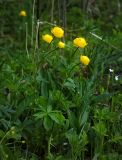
{"x": 61, "y": 44}
{"x": 47, "y": 38}
{"x": 23, "y": 13}
{"x": 80, "y": 42}
{"x": 85, "y": 60}
{"x": 57, "y": 32}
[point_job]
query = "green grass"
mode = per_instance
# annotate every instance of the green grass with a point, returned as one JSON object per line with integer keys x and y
{"x": 51, "y": 105}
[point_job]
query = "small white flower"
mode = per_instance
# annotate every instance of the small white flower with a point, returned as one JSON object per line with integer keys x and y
{"x": 111, "y": 70}
{"x": 116, "y": 78}
{"x": 55, "y": 22}
{"x": 65, "y": 143}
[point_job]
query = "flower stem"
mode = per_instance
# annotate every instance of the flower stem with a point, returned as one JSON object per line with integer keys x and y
{"x": 74, "y": 67}
{"x": 50, "y": 43}
{"x": 50, "y": 52}
{"x": 33, "y": 14}
{"x": 26, "y": 42}
{"x": 74, "y": 52}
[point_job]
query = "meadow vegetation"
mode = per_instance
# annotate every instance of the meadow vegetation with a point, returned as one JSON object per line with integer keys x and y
{"x": 60, "y": 80}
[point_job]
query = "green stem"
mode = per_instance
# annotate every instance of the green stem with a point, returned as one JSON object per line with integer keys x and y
{"x": 33, "y": 14}
{"x": 49, "y": 144}
{"x": 73, "y": 68}
{"x": 26, "y": 42}
{"x": 4, "y": 137}
{"x": 50, "y": 43}
{"x": 50, "y": 52}
{"x": 108, "y": 82}
{"x": 74, "y": 52}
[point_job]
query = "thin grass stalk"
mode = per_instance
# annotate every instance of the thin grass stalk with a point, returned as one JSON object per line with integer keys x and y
{"x": 37, "y": 10}
{"x": 33, "y": 15}
{"x": 64, "y": 15}
{"x": 26, "y": 154}
{"x": 38, "y": 16}
{"x": 34, "y": 60}
{"x": 119, "y": 7}
{"x": 52, "y": 11}
{"x": 59, "y": 11}
{"x": 73, "y": 68}
{"x": 26, "y": 41}
{"x": 37, "y": 32}
{"x": 101, "y": 39}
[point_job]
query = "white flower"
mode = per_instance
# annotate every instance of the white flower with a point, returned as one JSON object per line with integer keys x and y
{"x": 65, "y": 143}
{"x": 116, "y": 78}
{"x": 111, "y": 70}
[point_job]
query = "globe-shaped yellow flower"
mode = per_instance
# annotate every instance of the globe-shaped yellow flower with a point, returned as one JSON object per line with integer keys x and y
{"x": 61, "y": 44}
{"x": 80, "y": 42}
{"x": 57, "y": 32}
{"x": 23, "y": 13}
{"x": 47, "y": 38}
{"x": 84, "y": 60}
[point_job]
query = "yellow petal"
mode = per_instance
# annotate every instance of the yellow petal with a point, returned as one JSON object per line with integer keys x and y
{"x": 47, "y": 38}
{"x": 80, "y": 42}
{"x": 61, "y": 44}
{"x": 84, "y": 60}
{"x": 57, "y": 32}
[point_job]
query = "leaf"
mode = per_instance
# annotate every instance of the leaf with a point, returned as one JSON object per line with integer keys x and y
{"x": 70, "y": 84}
{"x": 72, "y": 119}
{"x": 47, "y": 123}
{"x": 41, "y": 101}
{"x": 116, "y": 139}
{"x": 49, "y": 108}
{"x": 40, "y": 78}
{"x": 57, "y": 117}
{"x": 44, "y": 89}
{"x": 100, "y": 129}
{"x": 39, "y": 115}
{"x": 1, "y": 133}
{"x": 83, "y": 118}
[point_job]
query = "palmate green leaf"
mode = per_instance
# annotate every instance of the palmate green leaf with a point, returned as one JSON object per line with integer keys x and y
{"x": 83, "y": 138}
{"x": 70, "y": 84}
{"x": 105, "y": 114}
{"x": 39, "y": 115}
{"x": 116, "y": 139}
{"x": 49, "y": 108}
{"x": 100, "y": 129}
{"x": 41, "y": 101}
{"x": 57, "y": 117}
{"x": 48, "y": 123}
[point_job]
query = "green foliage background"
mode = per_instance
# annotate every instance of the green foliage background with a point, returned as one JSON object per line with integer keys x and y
{"x": 52, "y": 107}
